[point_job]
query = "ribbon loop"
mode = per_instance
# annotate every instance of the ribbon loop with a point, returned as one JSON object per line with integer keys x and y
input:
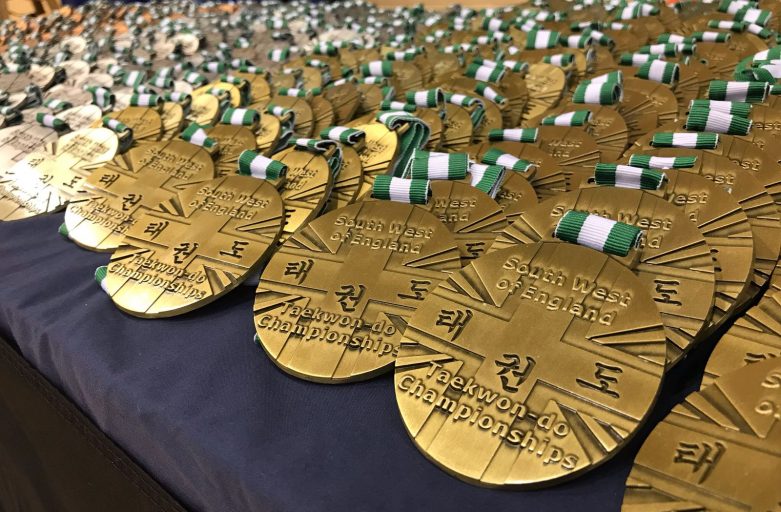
{"x": 195, "y": 134}
{"x": 401, "y": 189}
{"x": 487, "y": 178}
{"x": 258, "y": 166}
{"x": 626, "y": 176}
{"x": 604, "y": 235}
{"x": 514, "y": 135}
{"x": 496, "y": 156}
{"x": 701, "y": 140}
{"x": 662, "y": 162}
{"x": 437, "y": 166}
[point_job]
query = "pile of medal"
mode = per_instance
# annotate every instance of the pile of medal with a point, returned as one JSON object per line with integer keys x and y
{"x": 528, "y": 214}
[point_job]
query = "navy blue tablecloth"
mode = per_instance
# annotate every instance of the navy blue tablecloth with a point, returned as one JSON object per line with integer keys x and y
{"x": 203, "y": 409}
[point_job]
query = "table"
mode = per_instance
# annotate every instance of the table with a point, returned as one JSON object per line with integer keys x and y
{"x": 210, "y": 417}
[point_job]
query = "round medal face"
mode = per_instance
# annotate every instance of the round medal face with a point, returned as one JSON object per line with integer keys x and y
{"x": 324, "y": 115}
{"x": 76, "y": 72}
{"x": 574, "y": 149}
{"x": 195, "y": 247}
{"x": 81, "y": 117}
{"x": 74, "y": 95}
{"x": 45, "y": 180}
{"x": 754, "y": 337}
{"x": 308, "y": 182}
{"x": 16, "y": 142}
{"x": 674, "y": 263}
{"x": 231, "y": 141}
{"x": 233, "y": 92}
{"x": 515, "y": 196}
{"x": 43, "y": 76}
{"x": 333, "y": 301}
{"x": 457, "y": 129}
{"x": 639, "y": 113}
{"x": 145, "y": 122}
{"x": 303, "y": 110}
{"x": 345, "y": 100}
{"x": 470, "y": 214}
{"x": 172, "y": 119}
{"x": 379, "y": 149}
{"x": 545, "y": 84}
{"x": 268, "y": 134}
{"x": 259, "y": 88}
{"x": 753, "y": 200}
{"x": 371, "y": 97}
{"x": 492, "y": 120}
{"x": 726, "y": 229}
{"x": 14, "y": 82}
{"x": 530, "y": 365}
{"x": 205, "y": 109}
{"x": 348, "y": 181}
{"x": 120, "y": 192}
{"x": 719, "y": 450}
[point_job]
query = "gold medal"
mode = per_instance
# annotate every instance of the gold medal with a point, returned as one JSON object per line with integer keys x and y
{"x": 575, "y": 151}
{"x": 234, "y": 94}
{"x": 171, "y": 119}
{"x": 674, "y": 263}
{"x": 81, "y": 117}
{"x": 205, "y": 109}
{"x": 515, "y": 196}
{"x": 716, "y": 451}
{"x": 323, "y": 112}
{"x": 348, "y": 181}
{"x": 754, "y": 337}
{"x": 307, "y": 186}
{"x": 303, "y": 111}
{"x": 268, "y": 134}
{"x": 345, "y": 100}
{"x": 526, "y": 367}
{"x": 377, "y": 153}
{"x": 545, "y": 83}
{"x": 46, "y": 179}
{"x": 753, "y": 200}
{"x": 639, "y": 113}
{"x": 260, "y": 91}
{"x": 145, "y": 122}
{"x": 16, "y": 142}
{"x": 457, "y": 129}
{"x": 195, "y": 247}
{"x": 120, "y": 192}
{"x": 333, "y": 301}
{"x": 231, "y": 141}
{"x": 371, "y": 97}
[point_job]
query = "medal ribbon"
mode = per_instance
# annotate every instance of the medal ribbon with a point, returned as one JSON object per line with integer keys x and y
{"x": 706, "y": 120}
{"x": 323, "y": 147}
{"x": 516, "y": 66}
{"x": 599, "y": 233}
{"x": 487, "y": 178}
{"x": 734, "y": 108}
{"x": 484, "y": 73}
{"x": 258, "y": 166}
{"x": 560, "y": 60}
{"x": 195, "y": 134}
{"x": 749, "y": 92}
{"x": 292, "y": 91}
{"x": 601, "y": 94}
{"x": 397, "y": 105}
{"x": 51, "y": 121}
{"x": 674, "y": 38}
{"x": 753, "y": 16}
{"x": 665, "y": 49}
{"x": 626, "y": 176}
{"x": 415, "y": 137}
{"x": 659, "y": 71}
{"x": 133, "y": 78}
{"x": 542, "y": 39}
{"x": 514, "y": 135}
{"x": 613, "y": 77}
{"x": 114, "y": 124}
{"x": 100, "y": 276}
{"x": 146, "y": 100}
{"x": 287, "y": 119}
{"x": 709, "y": 36}
{"x": 636, "y": 59}
{"x": 496, "y": 156}
{"x": 486, "y": 91}
{"x": 702, "y": 140}
{"x": 57, "y": 105}
{"x": 349, "y": 136}
{"x": 240, "y": 117}
{"x": 734, "y": 26}
{"x": 279, "y": 54}
{"x": 576, "y": 118}
{"x": 195, "y": 79}
{"x": 401, "y": 190}
{"x": 437, "y": 166}
{"x": 253, "y": 70}
{"x": 377, "y": 68}
{"x": 214, "y": 67}
{"x": 432, "y": 98}
{"x": 101, "y": 97}
{"x": 662, "y": 162}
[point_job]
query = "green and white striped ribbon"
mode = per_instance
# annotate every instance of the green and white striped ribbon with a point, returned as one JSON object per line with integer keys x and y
{"x": 600, "y": 94}
{"x": 253, "y": 70}
{"x": 604, "y": 235}
{"x": 323, "y": 146}
{"x": 437, "y": 166}
{"x": 734, "y": 26}
{"x": 514, "y": 135}
{"x": 325, "y": 48}
{"x": 542, "y": 39}
{"x": 749, "y": 92}
{"x": 662, "y": 162}
{"x": 214, "y": 67}
{"x": 462, "y": 99}
{"x": 146, "y": 100}
{"x": 601, "y": 38}
{"x": 114, "y": 124}
{"x": 100, "y": 277}
{"x": 709, "y": 36}
{"x": 495, "y": 156}
{"x": 258, "y": 166}
{"x": 733, "y": 6}
{"x": 701, "y": 140}
{"x": 707, "y": 120}
{"x": 240, "y": 117}
{"x": 162, "y": 82}
{"x": 613, "y": 77}
{"x": 414, "y": 137}
{"x": 673, "y": 38}
{"x": 487, "y": 92}
{"x": 349, "y": 136}
{"x": 431, "y": 98}
{"x": 101, "y": 97}
{"x": 379, "y": 81}
{"x": 379, "y": 68}
{"x": 401, "y": 56}
{"x": 50, "y": 121}
{"x": 485, "y": 73}
{"x": 177, "y": 97}
{"x": 666, "y": 49}
{"x": 659, "y": 71}
{"x": 735, "y": 108}
{"x": 233, "y": 80}
{"x": 577, "y": 40}
{"x": 637, "y": 10}
{"x": 516, "y": 66}
{"x": 397, "y": 105}
{"x": 560, "y": 60}
{"x": 753, "y": 16}
{"x": 636, "y": 59}
{"x": 759, "y": 30}
{"x": 487, "y": 178}
{"x": 576, "y": 118}
{"x": 292, "y": 91}
{"x": 401, "y": 190}
{"x": 278, "y": 54}
{"x": 626, "y": 176}
{"x": 133, "y": 78}
{"x": 57, "y": 105}
{"x": 195, "y": 134}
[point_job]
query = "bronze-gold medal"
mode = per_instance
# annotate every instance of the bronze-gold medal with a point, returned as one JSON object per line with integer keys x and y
{"x": 348, "y": 181}
{"x": 334, "y": 300}
{"x": 46, "y": 179}
{"x": 345, "y": 100}
{"x": 134, "y": 183}
{"x": 194, "y": 247}
{"x": 545, "y": 84}
{"x": 145, "y": 122}
{"x": 674, "y": 262}
{"x": 16, "y": 142}
{"x": 513, "y": 373}
{"x": 716, "y": 451}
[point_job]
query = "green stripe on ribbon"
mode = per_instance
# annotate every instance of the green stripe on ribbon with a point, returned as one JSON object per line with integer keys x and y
{"x": 702, "y": 140}
{"x": 514, "y": 135}
{"x": 599, "y": 233}
{"x": 735, "y": 108}
{"x": 437, "y": 166}
{"x": 196, "y": 134}
{"x": 487, "y": 178}
{"x": 627, "y": 176}
{"x": 258, "y": 166}
{"x": 349, "y": 136}
{"x": 662, "y": 162}
{"x": 50, "y": 121}
{"x": 414, "y": 137}
{"x": 576, "y": 118}
{"x": 401, "y": 190}
{"x": 704, "y": 119}
{"x": 601, "y": 94}
{"x": 495, "y": 156}
{"x": 749, "y": 92}
{"x": 240, "y": 117}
